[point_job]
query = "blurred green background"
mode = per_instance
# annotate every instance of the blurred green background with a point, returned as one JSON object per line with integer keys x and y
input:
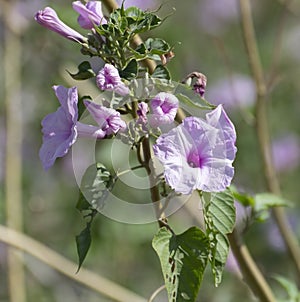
{"x": 207, "y": 37}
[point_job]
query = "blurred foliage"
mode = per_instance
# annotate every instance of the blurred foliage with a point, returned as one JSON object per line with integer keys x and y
{"x": 123, "y": 252}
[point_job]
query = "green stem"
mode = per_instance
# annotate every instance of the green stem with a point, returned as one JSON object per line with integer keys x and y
{"x": 262, "y": 130}
{"x": 147, "y": 161}
{"x": 155, "y": 195}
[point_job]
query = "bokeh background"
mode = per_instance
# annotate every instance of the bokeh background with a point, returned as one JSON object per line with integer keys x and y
{"x": 207, "y": 37}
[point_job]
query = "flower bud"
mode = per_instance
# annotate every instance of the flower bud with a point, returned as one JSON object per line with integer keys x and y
{"x": 49, "y": 19}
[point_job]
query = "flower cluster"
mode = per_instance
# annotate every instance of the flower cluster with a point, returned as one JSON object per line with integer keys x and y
{"x": 196, "y": 155}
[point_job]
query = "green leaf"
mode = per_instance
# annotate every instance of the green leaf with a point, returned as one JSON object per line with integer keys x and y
{"x": 140, "y": 21}
{"x": 290, "y": 287}
{"x": 183, "y": 260}
{"x": 83, "y": 243}
{"x": 81, "y": 106}
{"x": 140, "y": 52}
{"x": 130, "y": 71}
{"x": 85, "y": 71}
{"x": 243, "y": 198}
{"x": 96, "y": 184}
{"x": 219, "y": 217}
{"x": 265, "y": 201}
{"x": 220, "y": 254}
{"x": 134, "y": 12}
{"x": 82, "y": 204}
{"x": 189, "y": 97}
{"x": 222, "y": 211}
{"x": 161, "y": 72}
{"x": 157, "y": 46}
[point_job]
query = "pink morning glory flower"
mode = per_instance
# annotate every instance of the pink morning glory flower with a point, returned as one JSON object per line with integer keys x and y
{"x": 61, "y": 128}
{"x": 90, "y": 14}
{"x": 108, "y": 119}
{"x": 198, "y": 154}
{"x": 108, "y": 78}
{"x": 163, "y": 109}
{"x": 49, "y": 19}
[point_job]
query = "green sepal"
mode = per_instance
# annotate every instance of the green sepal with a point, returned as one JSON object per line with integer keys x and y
{"x": 183, "y": 261}
{"x": 85, "y": 72}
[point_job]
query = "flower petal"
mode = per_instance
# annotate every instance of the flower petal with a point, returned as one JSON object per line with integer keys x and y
{"x": 90, "y": 14}
{"x": 59, "y": 128}
{"x": 198, "y": 154}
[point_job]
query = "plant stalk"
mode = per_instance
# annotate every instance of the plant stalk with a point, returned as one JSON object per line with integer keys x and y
{"x": 252, "y": 275}
{"x": 68, "y": 268}
{"x": 12, "y": 54}
{"x": 262, "y": 130}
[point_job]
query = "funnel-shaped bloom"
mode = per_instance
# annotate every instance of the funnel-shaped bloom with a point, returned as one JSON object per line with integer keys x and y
{"x": 163, "y": 109}
{"x": 108, "y": 78}
{"x": 108, "y": 119}
{"x": 59, "y": 128}
{"x": 90, "y": 14}
{"x": 49, "y": 19}
{"x": 198, "y": 154}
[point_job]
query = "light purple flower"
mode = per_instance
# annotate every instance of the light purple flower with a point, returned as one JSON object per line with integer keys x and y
{"x": 198, "y": 154}
{"x": 108, "y": 78}
{"x": 163, "y": 109}
{"x": 59, "y": 128}
{"x": 108, "y": 119}
{"x": 49, "y": 19}
{"x": 90, "y": 14}
{"x": 286, "y": 152}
